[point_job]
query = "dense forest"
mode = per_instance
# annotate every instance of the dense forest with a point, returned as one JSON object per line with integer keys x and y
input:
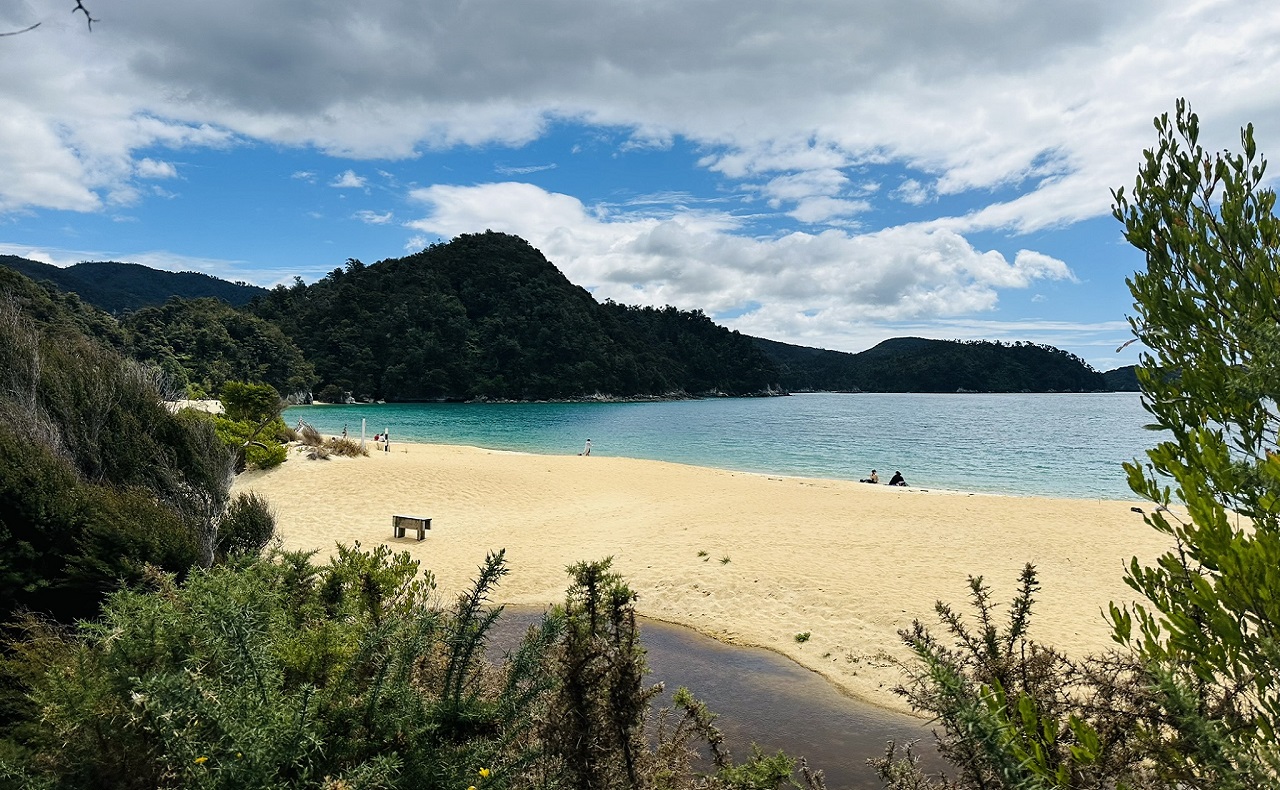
{"x": 486, "y": 316}
{"x": 203, "y": 343}
{"x": 913, "y": 364}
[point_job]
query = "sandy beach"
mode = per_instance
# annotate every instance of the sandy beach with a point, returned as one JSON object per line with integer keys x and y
{"x": 848, "y": 563}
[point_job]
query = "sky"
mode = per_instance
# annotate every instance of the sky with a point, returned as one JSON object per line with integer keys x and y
{"x": 829, "y": 173}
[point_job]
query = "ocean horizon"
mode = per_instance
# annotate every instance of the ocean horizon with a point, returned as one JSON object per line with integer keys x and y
{"x": 1056, "y": 444}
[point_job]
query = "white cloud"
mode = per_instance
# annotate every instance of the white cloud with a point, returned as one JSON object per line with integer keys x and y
{"x": 372, "y": 217}
{"x": 304, "y": 175}
{"x": 348, "y": 180}
{"x": 154, "y": 168}
{"x": 833, "y": 279}
{"x": 913, "y": 192}
{"x": 514, "y": 170}
{"x": 1053, "y": 100}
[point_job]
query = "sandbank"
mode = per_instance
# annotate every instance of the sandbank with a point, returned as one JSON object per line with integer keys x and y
{"x": 746, "y": 558}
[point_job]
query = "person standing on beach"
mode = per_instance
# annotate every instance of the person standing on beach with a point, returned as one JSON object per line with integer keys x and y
{"x": 386, "y": 441}
{"x": 586, "y": 450}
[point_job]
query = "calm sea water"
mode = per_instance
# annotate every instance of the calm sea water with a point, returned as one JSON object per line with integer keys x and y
{"x": 1069, "y": 445}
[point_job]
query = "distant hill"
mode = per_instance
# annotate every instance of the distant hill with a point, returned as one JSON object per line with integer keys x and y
{"x": 47, "y": 307}
{"x": 487, "y": 316}
{"x": 914, "y": 364}
{"x": 1123, "y": 379}
{"x": 122, "y": 287}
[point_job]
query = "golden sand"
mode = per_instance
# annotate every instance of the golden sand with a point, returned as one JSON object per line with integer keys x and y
{"x": 847, "y": 563}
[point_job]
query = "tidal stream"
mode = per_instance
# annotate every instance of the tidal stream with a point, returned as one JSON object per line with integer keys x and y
{"x": 766, "y": 699}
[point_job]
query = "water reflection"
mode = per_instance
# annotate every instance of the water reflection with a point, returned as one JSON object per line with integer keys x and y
{"x": 766, "y": 699}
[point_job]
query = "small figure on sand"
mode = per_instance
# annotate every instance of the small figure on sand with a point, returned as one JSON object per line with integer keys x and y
{"x": 874, "y": 478}
{"x": 344, "y": 431}
{"x": 897, "y": 479}
{"x": 386, "y": 441}
{"x": 586, "y": 450}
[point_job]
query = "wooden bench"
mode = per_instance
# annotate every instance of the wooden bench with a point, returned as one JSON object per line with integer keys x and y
{"x": 400, "y": 523}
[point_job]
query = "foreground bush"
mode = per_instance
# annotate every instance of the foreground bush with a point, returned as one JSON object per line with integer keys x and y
{"x": 1193, "y": 701}
{"x": 276, "y": 672}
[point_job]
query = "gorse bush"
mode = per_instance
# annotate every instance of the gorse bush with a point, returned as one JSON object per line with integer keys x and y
{"x": 277, "y": 672}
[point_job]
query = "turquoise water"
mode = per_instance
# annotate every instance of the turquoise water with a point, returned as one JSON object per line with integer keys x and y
{"x": 1068, "y": 445}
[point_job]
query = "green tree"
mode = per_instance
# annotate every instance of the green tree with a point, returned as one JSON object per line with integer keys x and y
{"x": 1192, "y": 700}
{"x": 1208, "y": 312}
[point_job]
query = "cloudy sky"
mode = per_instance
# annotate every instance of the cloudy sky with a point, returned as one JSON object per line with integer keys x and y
{"x": 822, "y": 172}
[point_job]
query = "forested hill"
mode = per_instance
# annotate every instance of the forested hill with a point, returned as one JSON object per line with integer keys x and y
{"x": 913, "y": 364}
{"x": 122, "y": 287}
{"x": 487, "y": 316}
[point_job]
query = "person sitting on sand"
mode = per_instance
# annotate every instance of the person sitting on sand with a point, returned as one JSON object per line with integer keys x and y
{"x": 897, "y": 479}
{"x": 874, "y": 478}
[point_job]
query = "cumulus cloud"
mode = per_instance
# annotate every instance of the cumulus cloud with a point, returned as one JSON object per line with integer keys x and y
{"x": 833, "y": 278}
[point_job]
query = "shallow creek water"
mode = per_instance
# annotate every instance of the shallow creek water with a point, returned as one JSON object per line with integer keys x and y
{"x": 766, "y": 699}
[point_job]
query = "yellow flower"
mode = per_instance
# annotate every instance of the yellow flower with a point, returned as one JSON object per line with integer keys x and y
{"x": 484, "y": 773}
{"x": 472, "y": 787}
{"x": 201, "y": 760}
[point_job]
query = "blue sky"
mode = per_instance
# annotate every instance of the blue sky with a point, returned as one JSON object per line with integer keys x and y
{"x": 829, "y": 174}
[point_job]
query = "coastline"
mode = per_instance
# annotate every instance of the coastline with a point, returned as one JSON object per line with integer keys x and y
{"x": 847, "y": 563}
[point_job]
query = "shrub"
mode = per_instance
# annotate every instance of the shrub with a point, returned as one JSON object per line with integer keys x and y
{"x": 248, "y": 526}
{"x": 345, "y": 447}
{"x": 331, "y": 393}
{"x": 259, "y": 450}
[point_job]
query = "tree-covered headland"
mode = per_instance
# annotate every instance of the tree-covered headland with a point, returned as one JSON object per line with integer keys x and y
{"x": 487, "y": 316}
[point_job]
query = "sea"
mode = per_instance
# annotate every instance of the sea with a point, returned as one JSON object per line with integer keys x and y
{"x": 1046, "y": 444}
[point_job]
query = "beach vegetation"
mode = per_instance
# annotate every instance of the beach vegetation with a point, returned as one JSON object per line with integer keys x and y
{"x": 251, "y": 425}
{"x": 1189, "y": 698}
{"x": 803, "y": 637}
{"x": 206, "y": 343}
{"x": 99, "y": 477}
{"x": 1206, "y": 316}
{"x": 277, "y": 671}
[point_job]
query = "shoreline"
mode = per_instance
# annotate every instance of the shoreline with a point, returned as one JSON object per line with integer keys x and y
{"x": 744, "y": 557}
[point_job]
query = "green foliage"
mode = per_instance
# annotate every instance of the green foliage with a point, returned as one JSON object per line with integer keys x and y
{"x": 275, "y": 672}
{"x": 913, "y": 364}
{"x": 252, "y": 403}
{"x": 256, "y": 442}
{"x": 1194, "y": 701}
{"x": 487, "y": 316}
{"x": 307, "y": 676}
{"x": 1208, "y": 312}
{"x": 247, "y": 527}
{"x": 206, "y": 343}
{"x": 1017, "y": 714}
{"x": 99, "y": 479}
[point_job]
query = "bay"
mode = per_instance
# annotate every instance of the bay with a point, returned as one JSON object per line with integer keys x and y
{"x": 1058, "y": 444}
